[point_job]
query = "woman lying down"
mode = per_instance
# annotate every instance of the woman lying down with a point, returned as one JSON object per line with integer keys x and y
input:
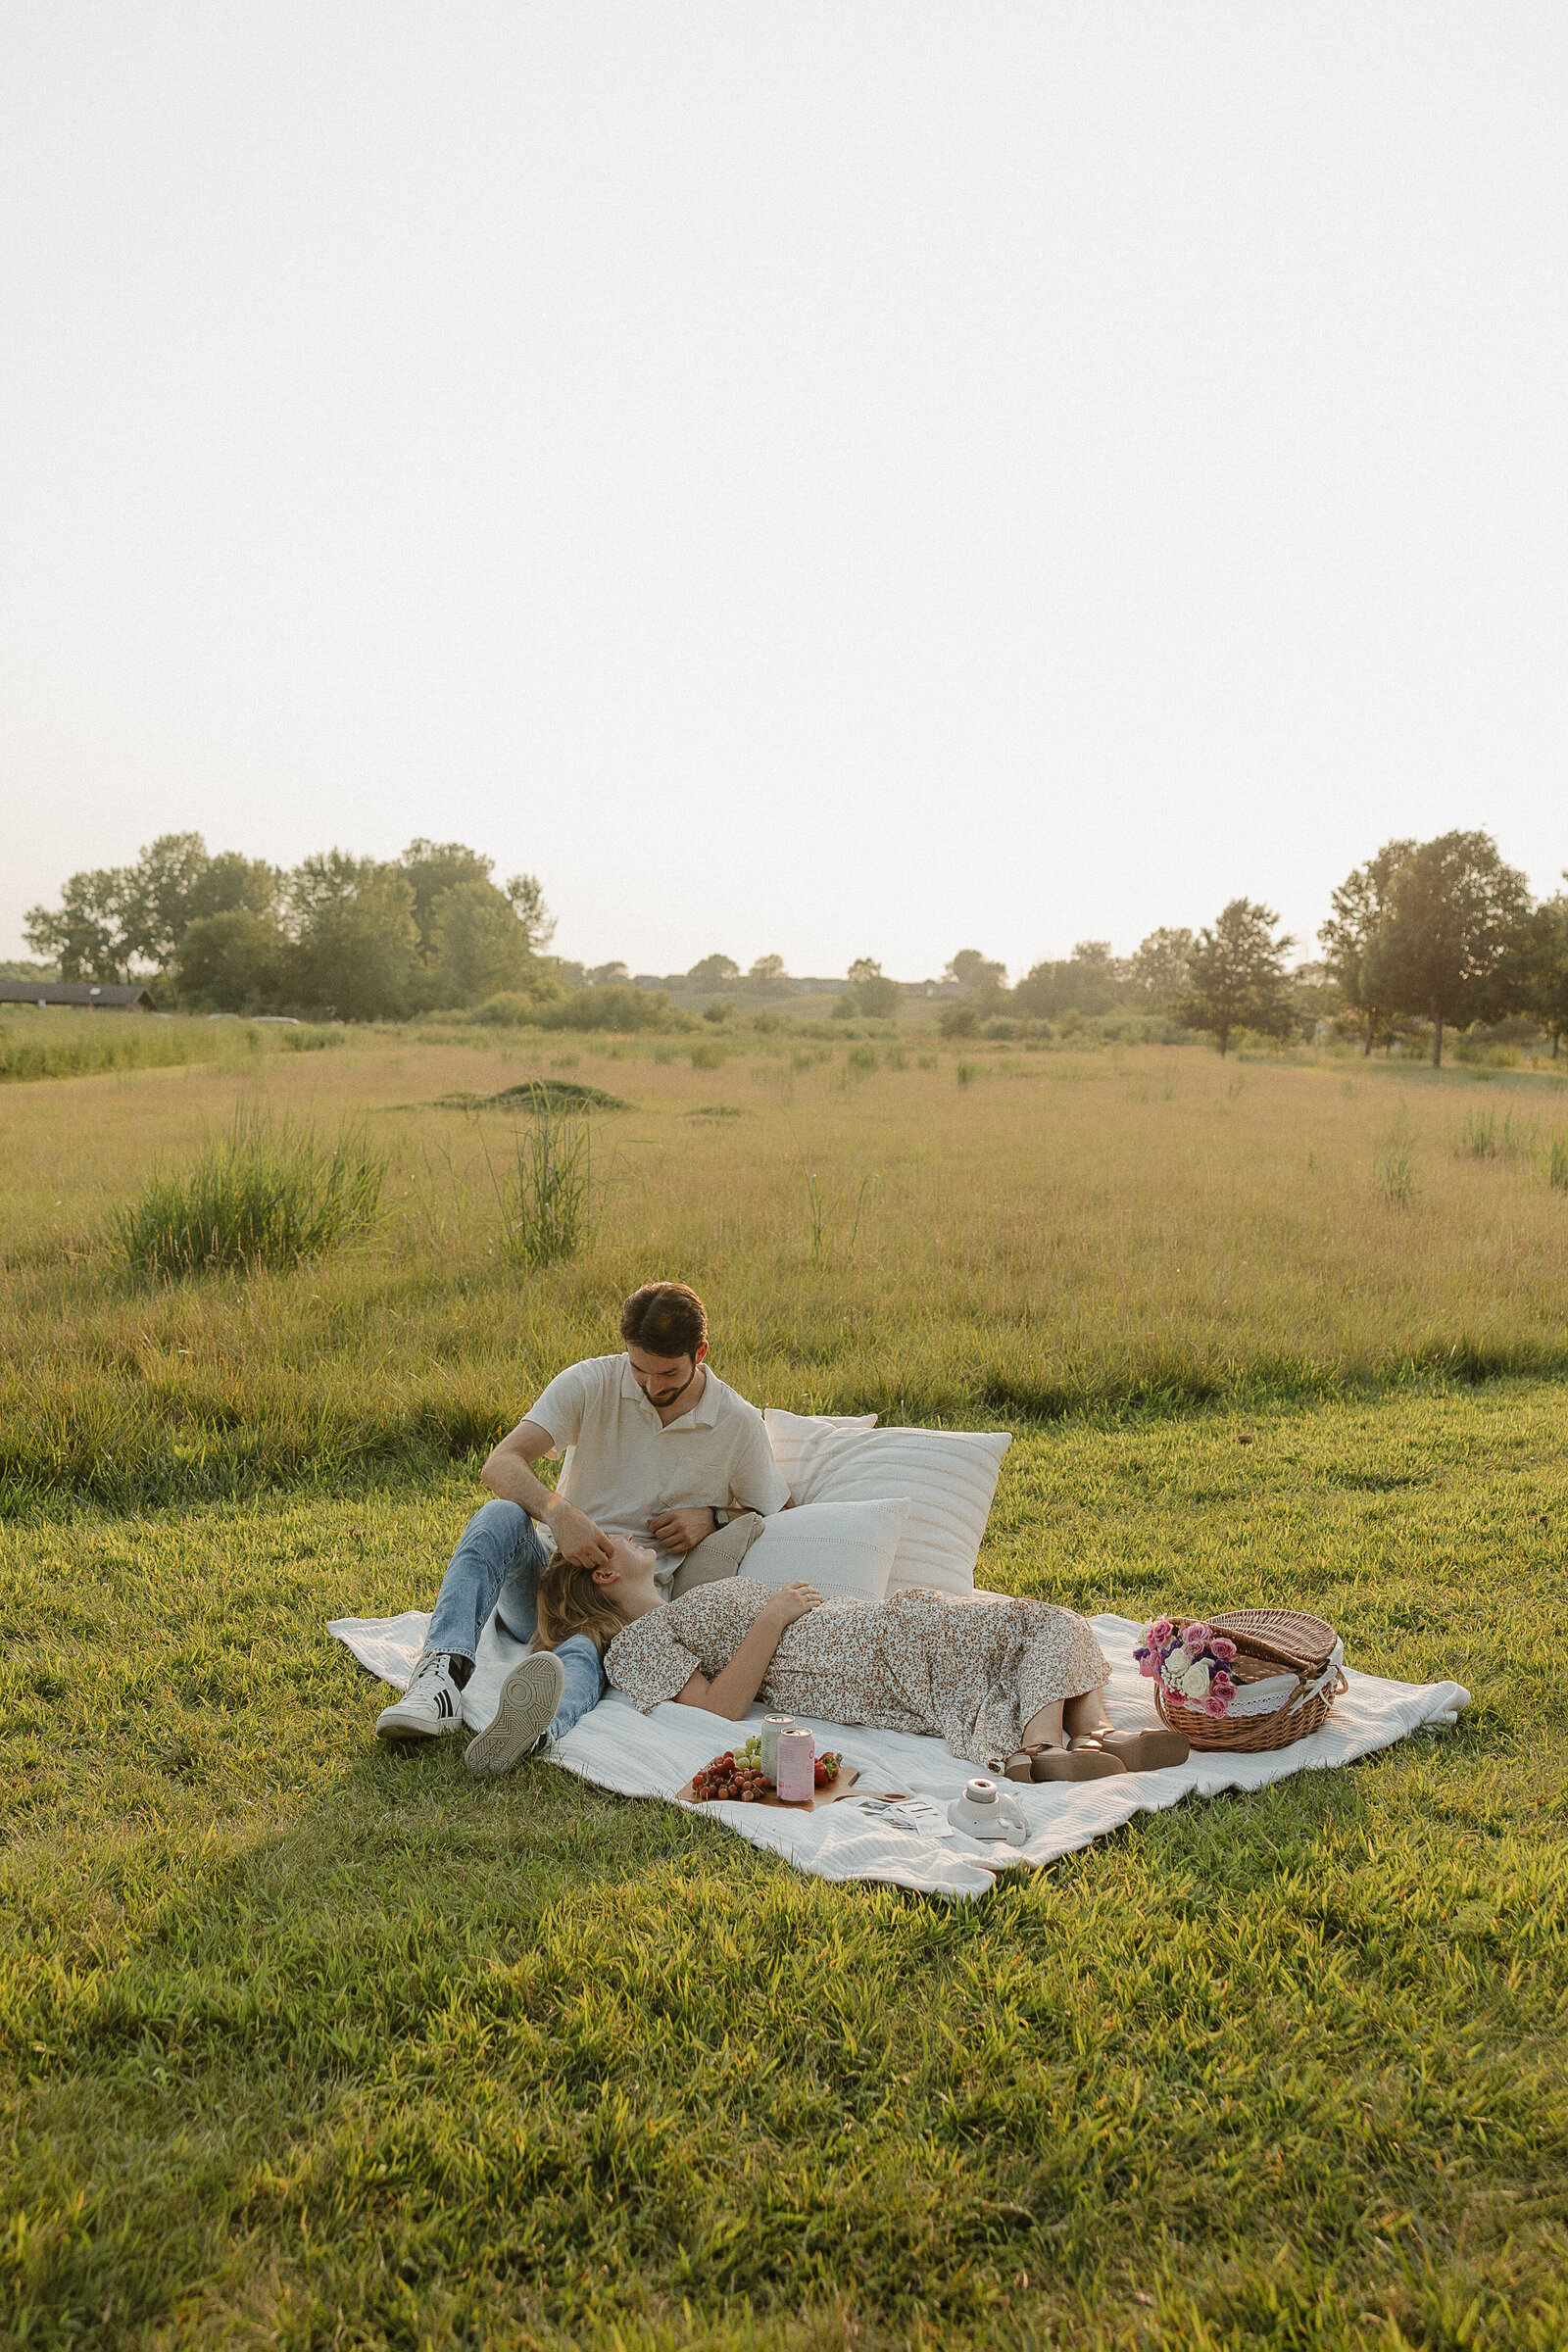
{"x": 1010, "y": 1685}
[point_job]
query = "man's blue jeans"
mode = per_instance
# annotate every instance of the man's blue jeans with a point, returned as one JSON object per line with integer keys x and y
{"x": 495, "y": 1566}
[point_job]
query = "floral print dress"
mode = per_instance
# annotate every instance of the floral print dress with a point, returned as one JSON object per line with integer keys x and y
{"x": 970, "y": 1671}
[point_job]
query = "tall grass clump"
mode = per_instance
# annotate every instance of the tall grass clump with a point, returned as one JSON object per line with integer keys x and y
{"x": 547, "y": 1201}
{"x": 1557, "y": 1163}
{"x": 1396, "y": 1172}
{"x": 1483, "y": 1137}
{"x": 266, "y": 1194}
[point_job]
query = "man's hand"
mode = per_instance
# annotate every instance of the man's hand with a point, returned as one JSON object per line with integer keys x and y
{"x": 791, "y": 1602}
{"x": 681, "y": 1530}
{"x": 577, "y": 1539}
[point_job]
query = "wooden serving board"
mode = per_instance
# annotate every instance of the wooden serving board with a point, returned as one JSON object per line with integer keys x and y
{"x": 848, "y": 1775}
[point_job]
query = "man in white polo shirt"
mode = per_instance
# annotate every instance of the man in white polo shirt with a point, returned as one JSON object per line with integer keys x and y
{"x": 655, "y": 1444}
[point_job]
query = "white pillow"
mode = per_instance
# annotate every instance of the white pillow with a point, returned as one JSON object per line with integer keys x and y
{"x": 950, "y": 1476}
{"x": 837, "y": 1547}
{"x": 793, "y": 1435}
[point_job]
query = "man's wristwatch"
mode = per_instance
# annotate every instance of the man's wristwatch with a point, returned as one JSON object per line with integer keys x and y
{"x": 720, "y": 1518}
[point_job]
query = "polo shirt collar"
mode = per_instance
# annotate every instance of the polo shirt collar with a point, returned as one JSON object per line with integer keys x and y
{"x": 704, "y": 1414}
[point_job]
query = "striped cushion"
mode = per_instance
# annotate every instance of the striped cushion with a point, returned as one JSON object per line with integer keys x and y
{"x": 950, "y": 1476}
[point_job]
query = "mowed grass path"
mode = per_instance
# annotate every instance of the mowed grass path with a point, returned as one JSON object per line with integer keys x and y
{"x": 313, "y": 2045}
{"x": 1065, "y": 1230}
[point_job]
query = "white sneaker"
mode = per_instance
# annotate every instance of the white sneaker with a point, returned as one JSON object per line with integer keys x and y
{"x": 431, "y": 1708}
{"x": 524, "y": 1712}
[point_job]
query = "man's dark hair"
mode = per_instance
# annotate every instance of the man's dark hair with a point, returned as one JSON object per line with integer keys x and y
{"x": 666, "y": 1318}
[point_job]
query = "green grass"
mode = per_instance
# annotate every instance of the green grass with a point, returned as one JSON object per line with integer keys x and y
{"x": 303, "y": 2042}
{"x": 1101, "y": 1232}
{"x": 309, "y": 2042}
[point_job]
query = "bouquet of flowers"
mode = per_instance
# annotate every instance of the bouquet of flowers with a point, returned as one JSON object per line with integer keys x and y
{"x": 1191, "y": 1662}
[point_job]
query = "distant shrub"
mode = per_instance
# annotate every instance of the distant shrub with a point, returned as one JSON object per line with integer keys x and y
{"x": 860, "y": 1061}
{"x": 968, "y": 1072}
{"x": 959, "y": 1020}
{"x": 512, "y": 1009}
{"x": 607, "y": 1008}
{"x": 263, "y": 1194}
{"x": 719, "y": 1011}
{"x": 1002, "y": 1031}
{"x": 706, "y": 1056}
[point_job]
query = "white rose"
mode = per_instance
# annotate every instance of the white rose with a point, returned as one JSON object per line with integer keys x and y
{"x": 1195, "y": 1682}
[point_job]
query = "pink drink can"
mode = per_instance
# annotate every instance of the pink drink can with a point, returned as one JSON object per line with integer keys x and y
{"x": 796, "y": 1777}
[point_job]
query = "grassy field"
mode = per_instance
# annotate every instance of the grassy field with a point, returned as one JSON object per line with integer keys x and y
{"x": 305, "y": 2042}
{"x": 997, "y": 1235}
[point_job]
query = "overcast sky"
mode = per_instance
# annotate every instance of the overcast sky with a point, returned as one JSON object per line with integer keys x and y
{"x": 835, "y": 479}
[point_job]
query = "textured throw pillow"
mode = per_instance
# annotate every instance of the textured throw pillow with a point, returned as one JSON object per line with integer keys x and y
{"x": 837, "y": 1547}
{"x": 950, "y": 1476}
{"x": 793, "y": 1435}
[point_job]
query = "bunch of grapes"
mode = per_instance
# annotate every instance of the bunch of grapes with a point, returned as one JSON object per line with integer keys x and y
{"x": 729, "y": 1777}
{"x": 827, "y": 1769}
{"x": 750, "y": 1753}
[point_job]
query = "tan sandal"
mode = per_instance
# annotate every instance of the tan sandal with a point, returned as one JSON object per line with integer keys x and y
{"x": 1138, "y": 1752}
{"x": 1061, "y": 1764}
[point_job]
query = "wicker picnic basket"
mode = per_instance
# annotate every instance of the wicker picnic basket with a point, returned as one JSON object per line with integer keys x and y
{"x": 1288, "y": 1671}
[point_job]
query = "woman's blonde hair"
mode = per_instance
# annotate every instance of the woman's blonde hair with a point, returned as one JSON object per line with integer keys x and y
{"x": 570, "y": 1602}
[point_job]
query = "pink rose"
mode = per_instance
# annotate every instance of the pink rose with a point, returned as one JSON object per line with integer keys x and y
{"x": 1214, "y": 1705}
{"x": 1223, "y": 1647}
{"x": 1159, "y": 1632}
{"x": 1221, "y": 1682}
{"x": 1150, "y": 1668}
{"x": 1194, "y": 1638}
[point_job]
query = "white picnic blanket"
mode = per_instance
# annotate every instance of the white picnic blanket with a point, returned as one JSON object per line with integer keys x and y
{"x": 653, "y": 1755}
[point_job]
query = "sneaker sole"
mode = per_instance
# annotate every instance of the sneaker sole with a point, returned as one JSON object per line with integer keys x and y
{"x": 529, "y": 1698}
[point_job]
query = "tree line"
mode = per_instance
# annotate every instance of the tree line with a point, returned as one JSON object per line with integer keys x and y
{"x": 337, "y": 936}
{"x": 1423, "y": 938}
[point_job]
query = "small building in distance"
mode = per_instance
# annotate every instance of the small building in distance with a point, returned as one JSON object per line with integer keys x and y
{"x": 99, "y": 996}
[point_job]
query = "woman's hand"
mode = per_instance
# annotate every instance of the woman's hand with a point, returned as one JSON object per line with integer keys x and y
{"x": 791, "y": 1602}
{"x": 732, "y": 1691}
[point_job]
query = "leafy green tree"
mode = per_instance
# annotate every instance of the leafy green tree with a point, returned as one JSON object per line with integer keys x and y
{"x": 528, "y": 902}
{"x": 876, "y": 998}
{"x": 1236, "y": 976}
{"x": 85, "y": 933}
{"x": 358, "y": 941}
{"x": 434, "y": 867}
{"x": 1452, "y": 943}
{"x": 1158, "y": 970}
{"x": 973, "y": 970}
{"x": 1084, "y": 983}
{"x": 235, "y": 961}
{"x": 715, "y": 971}
{"x": 1360, "y": 905}
{"x": 1546, "y": 990}
{"x": 174, "y": 883}
{"x": 478, "y": 947}
{"x": 767, "y": 976}
{"x": 120, "y": 917}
